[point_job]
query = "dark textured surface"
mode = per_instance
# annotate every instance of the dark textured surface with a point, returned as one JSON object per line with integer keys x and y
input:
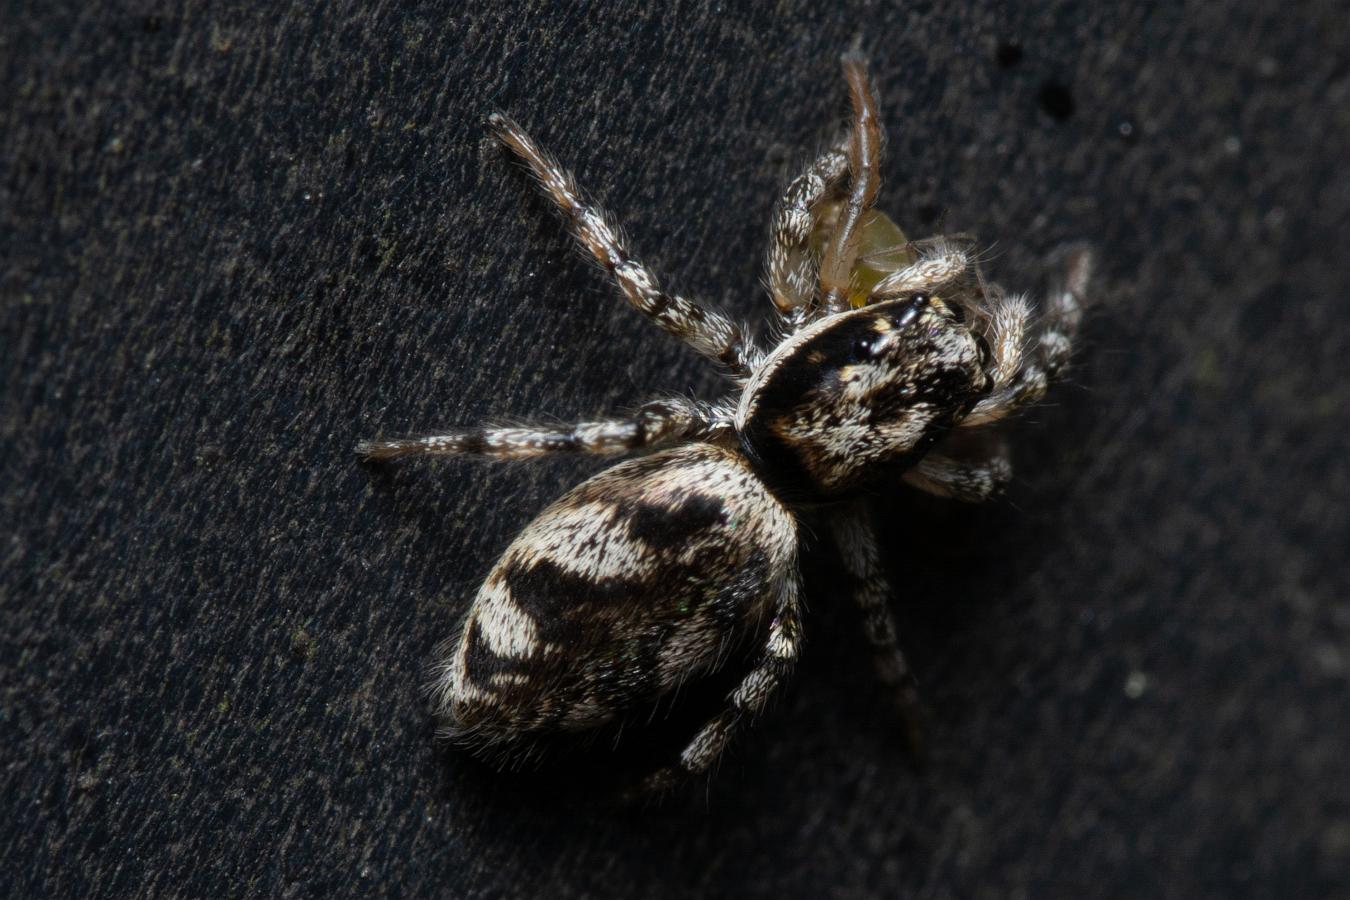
{"x": 234, "y": 242}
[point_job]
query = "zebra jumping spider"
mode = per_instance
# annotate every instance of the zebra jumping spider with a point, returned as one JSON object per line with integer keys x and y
{"x": 894, "y": 360}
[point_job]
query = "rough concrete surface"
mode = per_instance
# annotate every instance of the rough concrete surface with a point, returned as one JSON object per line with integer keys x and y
{"x": 236, "y": 238}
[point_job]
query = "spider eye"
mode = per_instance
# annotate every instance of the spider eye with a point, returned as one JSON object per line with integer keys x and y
{"x": 862, "y": 348}
{"x": 911, "y": 310}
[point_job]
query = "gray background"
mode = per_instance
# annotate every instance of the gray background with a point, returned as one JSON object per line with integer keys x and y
{"x": 234, "y": 240}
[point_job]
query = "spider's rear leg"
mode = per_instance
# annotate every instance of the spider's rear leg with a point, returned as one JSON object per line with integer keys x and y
{"x": 775, "y": 660}
{"x": 1033, "y": 371}
{"x": 654, "y": 423}
{"x": 710, "y": 333}
{"x": 852, "y": 529}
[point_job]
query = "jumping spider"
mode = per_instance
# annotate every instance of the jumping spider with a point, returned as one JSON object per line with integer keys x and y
{"x": 893, "y": 359}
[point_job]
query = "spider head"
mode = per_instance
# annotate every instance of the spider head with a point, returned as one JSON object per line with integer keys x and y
{"x": 860, "y": 395}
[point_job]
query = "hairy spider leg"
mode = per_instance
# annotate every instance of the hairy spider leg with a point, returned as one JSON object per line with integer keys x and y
{"x": 1033, "y": 371}
{"x": 791, "y": 265}
{"x": 710, "y": 333}
{"x": 970, "y": 480}
{"x": 778, "y": 655}
{"x": 658, "y": 422}
{"x": 857, "y": 542}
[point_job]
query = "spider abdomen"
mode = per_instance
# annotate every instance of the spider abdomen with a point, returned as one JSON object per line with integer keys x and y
{"x": 625, "y": 587}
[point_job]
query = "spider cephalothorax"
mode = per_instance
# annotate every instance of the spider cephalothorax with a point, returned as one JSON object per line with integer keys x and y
{"x": 859, "y": 395}
{"x": 895, "y": 361}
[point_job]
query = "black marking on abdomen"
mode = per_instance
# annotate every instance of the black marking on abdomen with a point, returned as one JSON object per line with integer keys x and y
{"x": 562, "y": 602}
{"x": 481, "y": 662}
{"x": 660, "y": 525}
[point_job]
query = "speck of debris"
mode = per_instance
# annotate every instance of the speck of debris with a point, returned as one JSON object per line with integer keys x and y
{"x": 1008, "y": 54}
{"x": 1136, "y": 683}
{"x": 208, "y": 454}
{"x": 1057, "y": 100}
{"x": 1329, "y": 659}
{"x": 302, "y": 644}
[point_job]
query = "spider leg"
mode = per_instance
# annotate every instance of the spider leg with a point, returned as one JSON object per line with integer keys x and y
{"x": 857, "y": 542}
{"x": 779, "y": 654}
{"x": 941, "y": 262}
{"x": 1028, "y": 374}
{"x": 710, "y": 333}
{"x": 791, "y": 266}
{"x": 1005, "y": 321}
{"x": 657, "y": 422}
{"x": 969, "y": 480}
{"x": 864, "y": 162}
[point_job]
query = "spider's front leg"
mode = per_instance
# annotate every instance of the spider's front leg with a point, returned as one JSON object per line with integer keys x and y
{"x": 654, "y": 423}
{"x": 941, "y": 261}
{"x": 857, "y": 542}
{"x": 1026, "y": 375}
{"x": 970, "y": 480}
{"x": 791, "y": 266}
{"x": 710, "y": 333}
